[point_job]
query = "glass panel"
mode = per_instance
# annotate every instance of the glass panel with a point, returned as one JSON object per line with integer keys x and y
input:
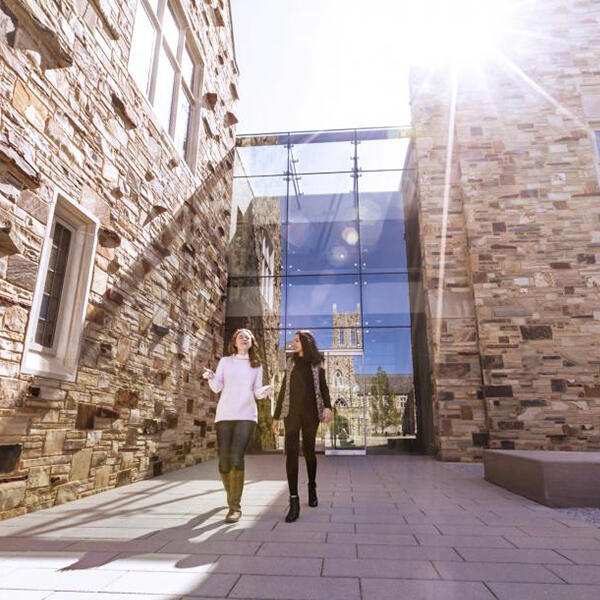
{"x": 187, "y": 67}
{"x": 318, "y": 301}
{"x": 382, "y": 242}
{"x": 386, "y": 381}
{"x": 386, "y": 181}
{"x": 382, "y": 154}
{"x": 165, "y": 80}
{"x": 386, "y": 300}
{"x": 256, "y": 246}
{"x": 323, "y": 229}
{"x": 171, "y": 30}
{"x": 269, "y": 159}
{"x": 183, "y": 122}
{"x": 142, "y": 48}
{"x": 53, "y": 285}
{"x": 247, "y": 305}
{"x": 597, "y": 137}
{"x": 318, "y": 157}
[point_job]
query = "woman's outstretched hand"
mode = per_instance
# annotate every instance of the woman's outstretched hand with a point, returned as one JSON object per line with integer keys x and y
{"x": 326, "y": 415}
{"x": 208, "y": 374}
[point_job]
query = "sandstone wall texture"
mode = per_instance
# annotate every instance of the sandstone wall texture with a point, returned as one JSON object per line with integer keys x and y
{"x": 72, "y": 119}
{"x": 516, "y": 345}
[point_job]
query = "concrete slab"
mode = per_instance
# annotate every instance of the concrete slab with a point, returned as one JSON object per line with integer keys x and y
{"x": 553, "y": 478}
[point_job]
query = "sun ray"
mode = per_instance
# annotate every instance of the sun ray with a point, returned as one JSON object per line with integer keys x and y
{"x": 446, "y": 202}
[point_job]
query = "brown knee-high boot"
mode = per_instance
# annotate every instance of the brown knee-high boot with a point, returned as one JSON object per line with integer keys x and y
{"x": 237, "y": 487}
{"x": 226, "y": 479}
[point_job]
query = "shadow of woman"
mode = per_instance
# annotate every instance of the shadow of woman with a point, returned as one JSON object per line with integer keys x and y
{"x": 186, "y": 532}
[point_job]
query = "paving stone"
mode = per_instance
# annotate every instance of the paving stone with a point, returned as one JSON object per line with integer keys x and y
{"x": 296, "y": 588}
{"x": 506, "y": 555}
{"x": 387, "y": 551}
{"x": 538, "y": 591}
{"x": 393, "y": 589}
{"x": 206, "y": 584}
{"x": 210, "y": 547}
{"x": 367, "y": 567}
{"x": 588, "y": 574}
{"x": 46, "y": 579}
{"x": 371, "y": 538}
{"x": 556, "y": 542}
{"x": 464, "y": 541}
{"x": 480, "y": 571}
{"x": 268, "y": 565}
{"x": 282, "y": 535}
{"x": 582, "y": 557}
{"x": 307, "y": 549}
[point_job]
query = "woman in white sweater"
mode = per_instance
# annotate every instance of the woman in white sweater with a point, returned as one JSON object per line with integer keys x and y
{"x": 239, "y": 379}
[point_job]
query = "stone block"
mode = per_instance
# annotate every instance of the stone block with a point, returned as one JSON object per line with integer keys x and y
{"x": 80, "y": 466}
{"x": 553, "y": 478}
{"x": 21, "y": 272}
{"x": 102, "y": 477}
{"x": 12, "y": 494}
{"x": 54, "y": 441}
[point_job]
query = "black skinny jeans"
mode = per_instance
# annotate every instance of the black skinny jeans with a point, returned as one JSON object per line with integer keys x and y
{"x": 232, "y": 440}
{"x": 308, "y": 424}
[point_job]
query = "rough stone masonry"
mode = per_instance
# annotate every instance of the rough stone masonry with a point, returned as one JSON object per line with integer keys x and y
{"x": 73, "y": 120}
{"x": 516, "y": 352}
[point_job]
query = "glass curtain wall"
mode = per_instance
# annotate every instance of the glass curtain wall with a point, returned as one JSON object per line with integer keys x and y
{"x": 317, "y": 242}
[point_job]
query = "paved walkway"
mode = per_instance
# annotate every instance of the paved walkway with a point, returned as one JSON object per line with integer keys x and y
{"x": 387, "y": 527}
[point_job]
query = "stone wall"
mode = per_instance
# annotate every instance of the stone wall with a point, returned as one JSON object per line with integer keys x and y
{"x": 73, "y": 120}
{"x": 516, "y": 351}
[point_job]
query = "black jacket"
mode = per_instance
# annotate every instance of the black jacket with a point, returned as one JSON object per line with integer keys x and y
{"x": 302, "y": 390}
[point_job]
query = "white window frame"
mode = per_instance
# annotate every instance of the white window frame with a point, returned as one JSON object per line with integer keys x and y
{"x": 186, "y": 40}
{"x": 61, "y": 361}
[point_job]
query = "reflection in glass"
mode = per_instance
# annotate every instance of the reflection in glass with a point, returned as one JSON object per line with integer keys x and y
{"x": 255, "y": 237}
{"x": 383, "y": 247}
{"x": 314, "y": 301}
{"x": 187, "y": 67}
{"x": 171, "y": 30}
{"x": 254, "y": 302}
{"x": 323, "y": 229}
{"x": 183, "y": 121}
{"x": 386, "y": 300}
{"x": 271, "y": 159}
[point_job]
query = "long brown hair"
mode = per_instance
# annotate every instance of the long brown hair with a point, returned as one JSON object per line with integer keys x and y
{"x": 309, "y": 346}
{"x": 252, "y": 351}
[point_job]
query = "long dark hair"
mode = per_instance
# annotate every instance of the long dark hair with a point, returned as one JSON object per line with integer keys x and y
{"x": 309, "y": 347}
{"x": 252, "y": 351}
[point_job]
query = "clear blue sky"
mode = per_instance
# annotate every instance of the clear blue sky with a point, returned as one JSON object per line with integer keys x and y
{"x": 320, "y": 64}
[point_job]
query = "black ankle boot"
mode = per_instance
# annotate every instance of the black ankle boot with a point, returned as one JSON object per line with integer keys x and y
{"x": 294, "y": 511}
{"x": 312, "y": 495}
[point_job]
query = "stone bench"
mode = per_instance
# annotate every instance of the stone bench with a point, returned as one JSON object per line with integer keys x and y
{"x": 553, "y": 478}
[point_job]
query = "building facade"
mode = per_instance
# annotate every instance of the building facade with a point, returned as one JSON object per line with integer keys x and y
{"x": 116, "y": 140}
{"x": 508, "y": 212}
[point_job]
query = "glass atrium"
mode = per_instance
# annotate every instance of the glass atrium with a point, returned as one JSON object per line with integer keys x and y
{"x": 318, "y": 241}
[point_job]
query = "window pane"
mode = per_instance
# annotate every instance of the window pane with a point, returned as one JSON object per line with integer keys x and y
{"x": 597, "y": 136}
{"x": 323, "y": 228}
{"x": 187, "y": 67}
{"x": 318, "y": 157}
{"x": 165, "y": 80}
{"x": 382, "y": 243}
{"x": 267, "y": 159}
{"x": 154, "y": 5}
{"x": 171, "y": 30}
{"x": 382, "y": 154}
{"x": 53, "y": 285}
{"x": 386, "y": 300}
{"x": 317, "y": 301}
{"x": 258, "y": 213}
{"x": 183, "y": 122}
{"x": 142, "y": 46}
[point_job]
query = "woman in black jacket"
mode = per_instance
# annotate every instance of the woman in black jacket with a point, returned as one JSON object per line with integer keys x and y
{"x": 303, "y": 401}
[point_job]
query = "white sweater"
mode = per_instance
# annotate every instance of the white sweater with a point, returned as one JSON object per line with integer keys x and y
{"x": 239, "y": 384}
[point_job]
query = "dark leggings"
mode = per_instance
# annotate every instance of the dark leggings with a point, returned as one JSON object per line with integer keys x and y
{"x": 232, "y": 439}
{"x": 293, "y": 425}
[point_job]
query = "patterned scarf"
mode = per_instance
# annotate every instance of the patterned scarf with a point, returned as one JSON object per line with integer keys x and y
{"x": 285, "y": 407}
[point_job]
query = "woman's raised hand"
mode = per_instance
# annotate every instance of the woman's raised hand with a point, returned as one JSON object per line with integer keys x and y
{"x": 208, "y": 374}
